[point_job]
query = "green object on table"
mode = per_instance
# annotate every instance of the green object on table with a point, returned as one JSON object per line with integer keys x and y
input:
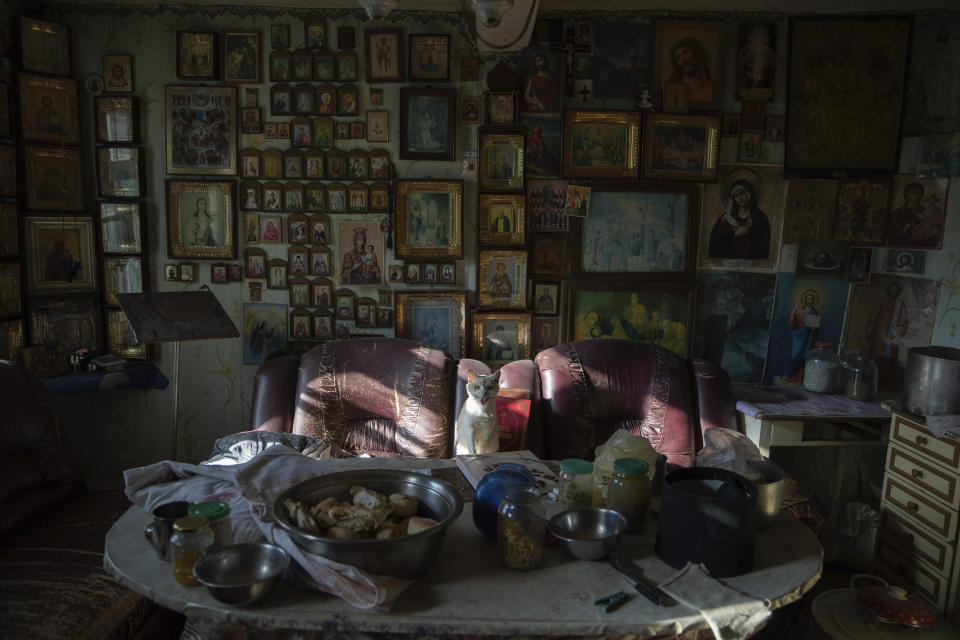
{"x": 612, "y": 601}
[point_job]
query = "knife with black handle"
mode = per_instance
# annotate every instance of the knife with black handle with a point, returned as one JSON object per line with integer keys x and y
{"x": 627, "y": 570}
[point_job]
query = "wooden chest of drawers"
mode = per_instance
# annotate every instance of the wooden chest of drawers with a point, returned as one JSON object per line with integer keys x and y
{"x": 920, "y": 508}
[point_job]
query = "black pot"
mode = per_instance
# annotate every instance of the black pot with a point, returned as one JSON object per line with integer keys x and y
{"x": 708, "y": 516}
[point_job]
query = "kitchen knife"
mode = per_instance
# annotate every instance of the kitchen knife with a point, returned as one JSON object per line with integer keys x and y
{"x": 628, "y": 571}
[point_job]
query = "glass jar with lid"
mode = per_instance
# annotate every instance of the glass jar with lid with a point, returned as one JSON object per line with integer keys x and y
{"x": 575, "y": 487}
{"x": 861, "y": 377}
{"x": 821, "y": 371}
{"x": 217, "y": 514}
{"x": 521, "y": 528}
{"x": 191, "y": 537}
{"x": 629, "y": 491}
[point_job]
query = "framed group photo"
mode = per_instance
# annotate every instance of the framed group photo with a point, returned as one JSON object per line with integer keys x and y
{"x": 429, "y": 219}
{"x": 601, "y": 144}
{"x": 435, "y": 318}
{"x": 201, "y": 219}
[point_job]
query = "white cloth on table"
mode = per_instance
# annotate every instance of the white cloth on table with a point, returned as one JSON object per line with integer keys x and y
{"x": 731, "y": 614}
{"x": 944, "y": 426}
{"x": 251, "y": 489}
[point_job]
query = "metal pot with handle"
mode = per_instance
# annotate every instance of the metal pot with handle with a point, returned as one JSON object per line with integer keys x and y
{"x": 931, "y": 385}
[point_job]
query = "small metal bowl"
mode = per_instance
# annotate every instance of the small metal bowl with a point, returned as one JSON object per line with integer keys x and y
{"x": 241, "y": 574}
{"x": 589, "y": 533}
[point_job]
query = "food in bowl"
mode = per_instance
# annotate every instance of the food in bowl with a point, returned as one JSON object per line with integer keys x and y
{"x": 370, "y": 515}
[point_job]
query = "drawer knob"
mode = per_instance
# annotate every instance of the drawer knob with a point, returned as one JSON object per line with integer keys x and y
{"x": 921, "y": 441}
{"x": 912, "y": 507}
{"x": 907, "y": 537}
{"x": 916, "y": 473}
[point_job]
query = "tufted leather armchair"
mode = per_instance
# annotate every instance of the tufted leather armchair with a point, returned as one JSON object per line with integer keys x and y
{"x": 395, "y": 397}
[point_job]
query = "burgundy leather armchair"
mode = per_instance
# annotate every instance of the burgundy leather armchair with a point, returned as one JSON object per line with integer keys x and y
{"x": 394, "y": 397}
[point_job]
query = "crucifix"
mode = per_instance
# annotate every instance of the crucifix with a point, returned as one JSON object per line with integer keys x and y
{"x": 569, "y": 47}
{"x": 585, "y": 92}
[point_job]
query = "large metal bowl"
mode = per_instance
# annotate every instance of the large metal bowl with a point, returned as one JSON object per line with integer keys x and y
{"x": 402, "y": 557}
{"x": 588, "y": 533}
{"x": 241, "y": 574}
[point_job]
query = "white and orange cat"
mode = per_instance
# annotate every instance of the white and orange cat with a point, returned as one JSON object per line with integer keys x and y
{"x": 476, "y": 428}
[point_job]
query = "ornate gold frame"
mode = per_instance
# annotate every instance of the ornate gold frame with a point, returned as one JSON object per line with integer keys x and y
{"x": 514, "y": 238}
{"x": 85, "y": 279}
{"x": 523, "y": 320}
{"x": 199, "y": 98}
{"x": 518, "y": 295}
{"x": 115, "y": 317}
{"x": 63, "y": 95}
{"x": 455, "y": 301}
{"x": 405, "y": 189}
{"x": 223, "y": 191}
{"x": 711, "y": 146}
{"x": 490, "y": 140}
{"x": 629, "y": 120}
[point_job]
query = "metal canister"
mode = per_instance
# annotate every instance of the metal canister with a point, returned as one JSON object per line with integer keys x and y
{"x": 931, "y": 385}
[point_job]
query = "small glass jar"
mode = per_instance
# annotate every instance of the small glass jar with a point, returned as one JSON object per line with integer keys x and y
{"x": 861, "y": 378}
{"x": 191, "y": 537}
{"x": 629, "y": 491}
{"x": 521, "y": 528}
{"x": 575, "y": 487}
{"x": 821, "y": 372}
{"x": 217, "y": 514}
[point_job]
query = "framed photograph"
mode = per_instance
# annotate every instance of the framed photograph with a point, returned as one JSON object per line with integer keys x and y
{"x": 815, "y": 39}
{"x": 379, "y": 164}
{"x": 427, "y": 123}
{"x": 241, "y": 56}
{"x": 384, "y": 55}
{"x": 336, "y": 197}
{"x": 320, "y": 260}
{"x": 545, "y": 205}
{"x": 297, "y": 231}
{"x": 356, "y": 130}
{"x": 501, "y": 219}
{"x": 547, "y": 255}
{"x": 283, "y": 131}
{"x": 303, "y": 99}
{"x": 905, "y": 261}
{"x": 499, "y": 338}
{"x": 250, "y": 164}
{"x": 366, "y": 313}
{"x": 601, "y": 144}
{"x": 118, "y": 119}
{"x": 541, "y": 80}
{"x": 188, "y": 271}
{"x": 299, "y": 290}
{"x": 119, "y": 172}
{"x": 863, "y": 207}
{"x": 348, "y": 100}
{"x": 411, "y": 274}
{"x": 279, "y": 36}
{"x": 917, "y": 212}
{"x": 447, "y": 273}
{"x": 293, "y": 196}
{"x": 301, "y": 65}
{"x": 120, "y": 225}
{"x": 321, "y": 292}
{"x": 61, "y": 256}
{"x": 298, "y": 259}
{"x": 292, "y": 163}
{"x": 429, "y": 219}
{"x": 299, "y": 324}
{"x": 123, "y": 275}
{"x": 9, "y": 229}
{"x": 471, "y": 109}
{"x": 681, "y": 147}
{"x": 251, "y": 120}
{"x": 201, "y": 219}
{"x": 750, "y": 142}
{"x": 276, "y": 274}
{"x": 313, "y": 160}
{"x": 322, "y": 321}
{"x": 396, "y": 272}
{"x": 428, "y": 273}
{"x": 615, "y": 237}
{"x": 48, "y": 109}
{"x": 545, "y": 333}
{"x": 271, "y": 159}
{"x": 347, "y": 66}
{"x": 255, "y": 262}
{"x": 272, "y": 196}
{"x": 501, "y": 160}
{"x": 344, "y": 304}
{"x": 118, "y": 74}
{"x": 690, "y": 52}
{"x": 503, "y": 107}
{"x": 197, "y": 57}
{"x": 218, "y": 273}
{"x": 11, "y": 289}
{"x": 72, "y": 321}
{"x": 315, "y": 196}
{"x": 357, "y": 197}
{"x": 626, "y": 310}
{"x": 315, "y": 32}
{"x": 45, "y": 47}
{"x": 234, "y": 273}
{"x": 858, "y": 264}
{"x": 269, "y": 130}
{"x": 822, "y": 259}
{"x": 271, "y": 229}
{"x": 280, "y": 66}
{"x": 543, "y": 146}
{"x": 251, "y": 228}
{"x": 361, "y": 251}
{"x": 435, "y": 318}
{"x": 201, "y": 133}
{"x": 502, "y": 278}
{"x": 546, "y": 298}
{"x": 379, "y": 197}
{"x": 324, "y": 66}
{"x": 756, "y": 61}
{"x": 171, "y": 272}
{"x": 429, "y": 58}
{"x": 342, "y": 131}
{"x": 264, "y": 330}
{"x": 54, "y": 178}
{"x": 378, "y": 126}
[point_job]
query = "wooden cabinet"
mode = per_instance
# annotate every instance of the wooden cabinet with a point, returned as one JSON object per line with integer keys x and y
{"x": 917, "y": 541}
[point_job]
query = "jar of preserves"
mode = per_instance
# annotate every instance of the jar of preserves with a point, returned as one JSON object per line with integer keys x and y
{"x": 521, "y": 528}
{"x": 217, "y": 514}
{"x": 821, "y": 372}
{"x": 575, "y": 487}
{"x": 861, "y": 378}
{"x": 629, "y": 491}
{"x": 191, "y": 537}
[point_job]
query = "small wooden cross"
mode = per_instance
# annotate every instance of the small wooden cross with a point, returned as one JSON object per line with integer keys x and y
{"x": 585, "y": 93}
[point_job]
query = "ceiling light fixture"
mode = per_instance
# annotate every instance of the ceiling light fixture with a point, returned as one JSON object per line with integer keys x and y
{"x": 491, "y": 12}
{"x": 378, "y": 9}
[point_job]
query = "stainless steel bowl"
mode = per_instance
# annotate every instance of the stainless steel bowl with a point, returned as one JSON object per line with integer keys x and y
{"x": 241, "y": 574}
{"x": 589, "y": 533}
{"x": 402, "y": 557}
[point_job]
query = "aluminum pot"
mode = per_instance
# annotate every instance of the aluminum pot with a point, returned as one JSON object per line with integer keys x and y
{"x": 402, "y": 557}
{"x": 931, "y": 386}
